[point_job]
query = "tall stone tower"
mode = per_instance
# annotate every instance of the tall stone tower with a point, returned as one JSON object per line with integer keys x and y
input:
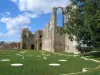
{"x": 26, "y": 39}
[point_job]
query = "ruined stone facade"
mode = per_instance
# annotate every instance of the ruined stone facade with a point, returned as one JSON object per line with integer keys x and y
{"x": 31, "y": 41}
{"x": 50, "y": 39}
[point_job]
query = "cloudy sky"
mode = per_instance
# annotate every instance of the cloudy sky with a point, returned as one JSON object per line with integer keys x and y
{"x": 33, "y": 14}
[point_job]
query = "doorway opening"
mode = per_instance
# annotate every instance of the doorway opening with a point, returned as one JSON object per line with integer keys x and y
{"x": 32, "y": 46}
{"x": 40, "y": 46}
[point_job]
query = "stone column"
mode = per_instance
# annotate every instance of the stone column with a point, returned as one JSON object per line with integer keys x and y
{"x": 37, "y": 46}
{"x": 54, "y": 32}
{"x": 54, "y": 15}
{"x": 64, "y": 16}
{"x": 21, "y": 40}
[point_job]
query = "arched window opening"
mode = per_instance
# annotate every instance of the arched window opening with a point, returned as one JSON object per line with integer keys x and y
{"x": 25, "y": 36}
{"x": 59, "y": 17}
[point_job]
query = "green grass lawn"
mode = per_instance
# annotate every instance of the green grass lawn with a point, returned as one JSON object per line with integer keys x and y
{"x": 35, "y": 64}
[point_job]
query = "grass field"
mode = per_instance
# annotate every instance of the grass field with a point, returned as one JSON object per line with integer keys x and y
{"x": 37, "y": 63}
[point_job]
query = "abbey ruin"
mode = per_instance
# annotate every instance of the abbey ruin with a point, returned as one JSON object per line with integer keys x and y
{"x": 48, "y": 39}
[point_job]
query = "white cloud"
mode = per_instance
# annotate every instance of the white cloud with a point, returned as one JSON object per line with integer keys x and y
{"x": 39, "y": 6}
{"x": 36, "y": 7}
{"x": 14, "y": 25}
{"x": 31, "y": 15}
{"x": 30, "y": 9}
{"x": 5, "y": 14}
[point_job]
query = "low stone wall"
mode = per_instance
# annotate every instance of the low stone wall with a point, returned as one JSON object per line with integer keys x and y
{"x": 6, "y": 46}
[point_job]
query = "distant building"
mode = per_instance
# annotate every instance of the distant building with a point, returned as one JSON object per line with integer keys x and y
{"x": 10, "y": 45}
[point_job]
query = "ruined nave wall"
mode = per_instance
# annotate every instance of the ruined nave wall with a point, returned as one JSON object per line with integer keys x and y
{"x": 48, "y": 36}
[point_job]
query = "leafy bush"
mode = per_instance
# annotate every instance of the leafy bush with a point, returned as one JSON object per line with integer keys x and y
{"x": 84, "y": 49}
{"x": 96, "y": 49}
{"x": 92, "y": 54}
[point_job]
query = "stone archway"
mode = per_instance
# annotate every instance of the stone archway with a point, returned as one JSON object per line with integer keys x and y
{"x": 55, "y": 9}
{"x": 59, "y": 17}
{"x": 32, "y": 46}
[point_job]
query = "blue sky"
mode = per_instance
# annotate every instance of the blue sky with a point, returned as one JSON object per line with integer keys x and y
{"x": 33, "y": 14}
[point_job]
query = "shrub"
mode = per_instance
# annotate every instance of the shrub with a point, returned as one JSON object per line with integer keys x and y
{"x": 84, "y": 49}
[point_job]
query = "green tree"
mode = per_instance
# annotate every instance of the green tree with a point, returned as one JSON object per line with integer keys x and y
{"x": 92, "y": 20}
{"x": 83, "y": 24}
{"x": 75, "y": 25}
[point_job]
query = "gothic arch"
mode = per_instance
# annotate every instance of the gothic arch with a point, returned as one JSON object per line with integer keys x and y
{"x": 55, "y": 14}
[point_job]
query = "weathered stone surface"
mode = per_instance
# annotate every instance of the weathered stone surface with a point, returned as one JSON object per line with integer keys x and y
{"x": 9, "y": 45}
{"x": 50, "y": 39}
{"x": 56, "y": 42}
{"x": 29, "y": 40}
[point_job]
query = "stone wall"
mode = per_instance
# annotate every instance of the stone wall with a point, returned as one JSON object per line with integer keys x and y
{"x": 31, "y": 41}
{"x": 59, "y": 42}
{"x": 38, "y": 39}
{"x": 70, "y": 46}
{"x": 48, "y": 36}
{"x": 54, "y": 42}
{"x": 10, "y": 45}
{"x": 27, "y": 40}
